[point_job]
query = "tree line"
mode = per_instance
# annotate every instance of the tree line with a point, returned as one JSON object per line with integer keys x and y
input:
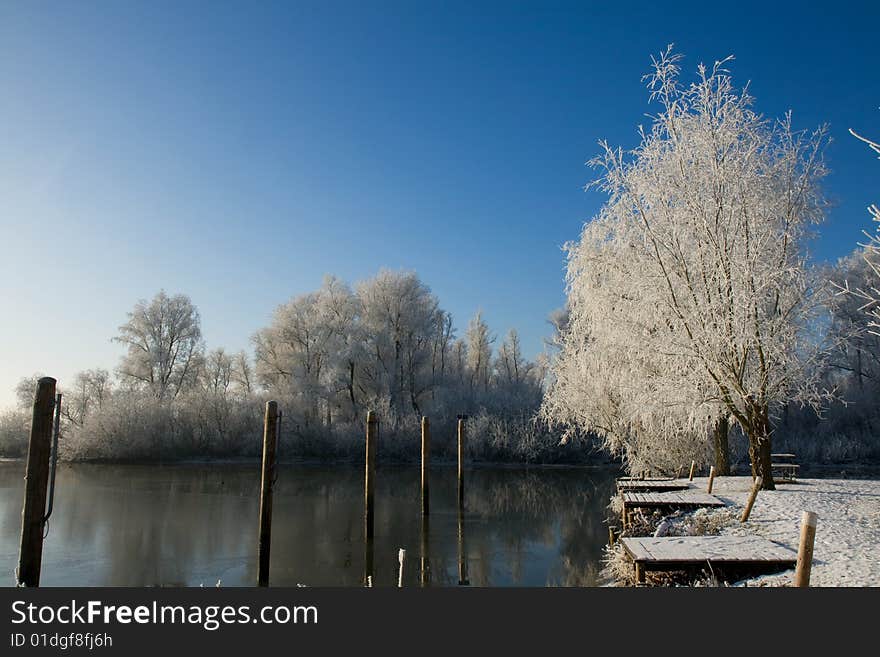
{"x": 327, "y": 356}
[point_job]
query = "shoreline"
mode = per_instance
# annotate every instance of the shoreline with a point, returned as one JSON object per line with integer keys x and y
{"x": 847, "y": 545}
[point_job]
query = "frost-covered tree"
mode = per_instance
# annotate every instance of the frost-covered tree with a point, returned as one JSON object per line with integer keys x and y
{"x": 510, "y": 366}
{"x": 90, "y": 390}
{"x": 297, "y": 353}
{"x": 869, "y": 291}
{"x": 218, "y": 371}
{"x": 690, "y": 296}
{"x": 401, "y": 319}
{"x": 164, "y": 345}
{"x": 243, "y": 372}
{"x": 858, "y": 351}
{"x": 25, "y": 390}
{"x": 479, "y": 353}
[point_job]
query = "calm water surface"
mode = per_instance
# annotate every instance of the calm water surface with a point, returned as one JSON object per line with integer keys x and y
{"x": 186, "y": 525}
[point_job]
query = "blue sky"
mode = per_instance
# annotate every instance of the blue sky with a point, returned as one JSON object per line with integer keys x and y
{"x": 237, "y": 152}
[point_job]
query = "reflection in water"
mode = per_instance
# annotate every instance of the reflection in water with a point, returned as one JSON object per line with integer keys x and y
{"x": 130, "y": 525}
{"x": 424, "y": 551}
{"x": 462, "y": 552}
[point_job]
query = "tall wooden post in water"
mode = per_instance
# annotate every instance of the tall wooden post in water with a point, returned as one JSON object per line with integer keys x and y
{"x": 462, "y": 549}
{"x": 423, "y": 542}
{"x": 30, "y": 555}
{"x": 461, "y": 448}
{"x": 369, "y": 488}
{"x": 424, "y": 555}
{"x": 426, "y": 459}
{"x": 270, "y": 445}
{"x": 370, "y": 473}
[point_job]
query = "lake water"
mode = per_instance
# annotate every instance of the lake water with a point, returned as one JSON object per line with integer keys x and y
{"x": 186, "y": 525}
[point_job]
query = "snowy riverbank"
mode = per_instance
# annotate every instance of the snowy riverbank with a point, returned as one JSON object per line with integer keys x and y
{"x": 847, "y": 548}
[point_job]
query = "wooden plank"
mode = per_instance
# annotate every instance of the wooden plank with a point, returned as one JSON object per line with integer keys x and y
{"x": 696, "y": 550}
{"x": 619, "y": 479}
{"x": 657, "y": 486}
{"x": 636, "y": 550}
{"x": 686, "y": 499}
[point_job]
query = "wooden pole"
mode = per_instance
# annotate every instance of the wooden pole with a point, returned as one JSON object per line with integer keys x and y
{"x": 805, "y": 549}
{"x": 610, "y": 535}
{"x": 30, "y": 555}
{"x": 267, "y": 485}
{"x": 53, "y": 461}
{"x": 426, "y": 458}
{"x": 640, "y": 573}
{"x": 678, "y": 473}
{"x": 424, "y": 558}
{"x": 368, "y": 562}
{"x": 751, "y": 502}
{"x": 370, "y": 474}
{"x": 693, "y": 466}
{"x": 461, "y": 448}
{"x": 462, "y": 551}
{"x": 711, "y": 479}
{"x": 401, "y": 557}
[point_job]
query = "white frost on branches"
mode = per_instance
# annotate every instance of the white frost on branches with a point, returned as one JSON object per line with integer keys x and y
{"x": 870, "y": 294}
{"x": 689, "y": 294}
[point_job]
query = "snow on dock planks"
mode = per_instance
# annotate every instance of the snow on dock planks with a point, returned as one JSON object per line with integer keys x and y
{"x": 665, "y": 501}
{"x": 647, "y": 485}
{"x": 675, "y": 553}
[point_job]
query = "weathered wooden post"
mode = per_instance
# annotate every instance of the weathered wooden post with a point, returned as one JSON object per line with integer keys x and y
{"x": 751, "y": 501}
{"x": 641, "y": 577}
{"x": 610, "y": 536}
{"x": 678, "y": 473}
{"x": 805, "y": 549}
{"x": 426, "y": 458}
{"x": 53, "y": 460}
{"x": 711, "y": 479}
{"x": 30, "y": 555}
{"x": 693, "y": 466}
{"x": 369, "y": 488}
{"x": 461, "y": 448}
{"x": 370, "y": 474}
{"x": 462, "y": 549}
{"x": 424, "y": 558}
{"x": 401, "y": 558}
{"x": 267, "y": 485}
{"x": 368, "y": 562}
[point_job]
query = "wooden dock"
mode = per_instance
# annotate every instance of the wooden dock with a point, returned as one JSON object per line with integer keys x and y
{"x": 665, "y": 501}
{"x": 619, "y": 479}
{"x": 647, "y": 485}
{"x": 741, "y": 553}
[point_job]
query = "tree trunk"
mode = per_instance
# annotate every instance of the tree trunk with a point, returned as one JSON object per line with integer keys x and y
{"x": 722, "y": 449}
{"x": 759, "y": 446}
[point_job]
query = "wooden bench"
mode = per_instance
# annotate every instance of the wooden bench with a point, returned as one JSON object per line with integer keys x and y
{"x": 786, "y": 471}
{"x": 784, "y": 467}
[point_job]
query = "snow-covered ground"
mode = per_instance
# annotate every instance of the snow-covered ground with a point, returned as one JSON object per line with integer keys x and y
{"x": 847, "y": 547}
